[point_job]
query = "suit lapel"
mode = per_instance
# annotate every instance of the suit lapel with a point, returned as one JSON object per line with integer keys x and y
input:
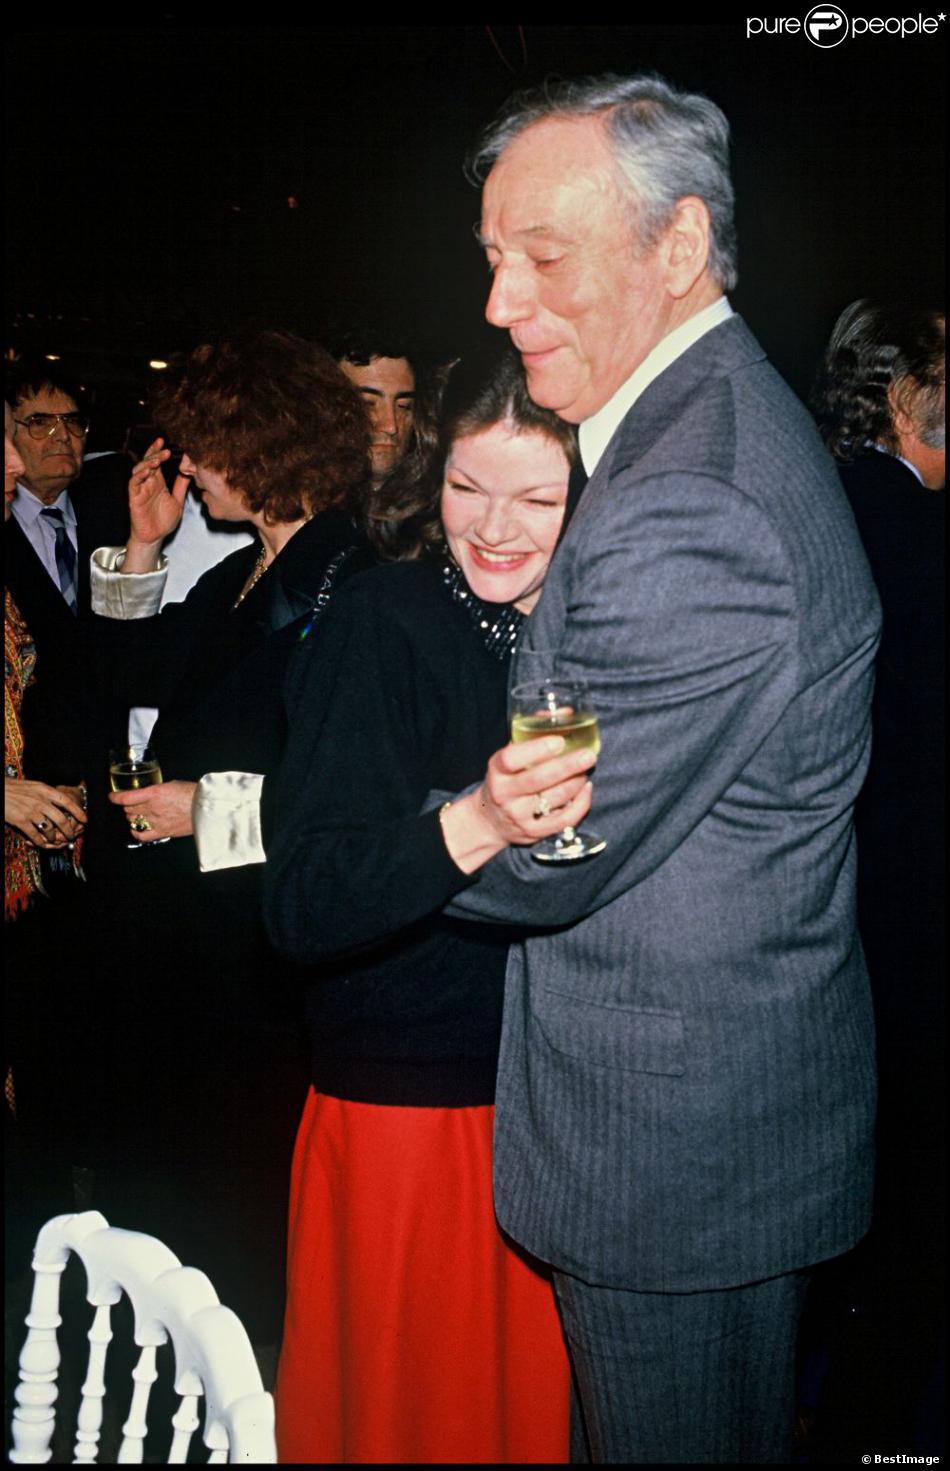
{"x": 34, "y": 591}
{"x": 717, "y": 355}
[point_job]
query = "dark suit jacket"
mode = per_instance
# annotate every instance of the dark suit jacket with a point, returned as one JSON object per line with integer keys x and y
{"x": 686, "y": 1085}
{"x": 901, "y": 811}
{"x": 62, "y": 724}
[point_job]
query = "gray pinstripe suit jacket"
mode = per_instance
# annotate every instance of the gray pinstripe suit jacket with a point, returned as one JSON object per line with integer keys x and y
{"x": 686, "y": 1087}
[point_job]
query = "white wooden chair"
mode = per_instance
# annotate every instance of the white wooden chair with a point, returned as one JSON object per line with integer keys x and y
{"x": 212, "y": 1352}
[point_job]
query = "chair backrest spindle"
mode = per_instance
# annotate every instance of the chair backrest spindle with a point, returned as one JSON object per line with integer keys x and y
{"x": 212, "y": 1353}
{"x": 89, "y": 1422}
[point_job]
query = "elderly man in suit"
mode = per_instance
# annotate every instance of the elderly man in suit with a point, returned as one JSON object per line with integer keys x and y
{"x": 685, "y": 1099}
{"x": 62, "y": 511}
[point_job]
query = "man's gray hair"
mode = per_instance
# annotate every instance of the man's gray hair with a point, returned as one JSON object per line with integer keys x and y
{"x": 667, "y": 144}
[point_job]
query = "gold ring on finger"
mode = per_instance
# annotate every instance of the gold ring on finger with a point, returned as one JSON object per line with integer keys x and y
{"x": 544, "y": 805}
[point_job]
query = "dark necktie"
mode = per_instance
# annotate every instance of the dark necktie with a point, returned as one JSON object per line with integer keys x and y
{"x": 575, "y": 488}
{"x": 65, "y": 556}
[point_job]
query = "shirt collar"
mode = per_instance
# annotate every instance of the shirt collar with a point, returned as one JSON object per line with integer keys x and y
{"x": 596, "y": 432}
{"x": 27, "y": 506}
{"x": 883, "y": 450}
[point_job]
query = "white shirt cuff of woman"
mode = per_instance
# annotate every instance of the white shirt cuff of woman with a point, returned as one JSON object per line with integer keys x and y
{"x": 117, "y": 594}
{"x": 227, "y": 819}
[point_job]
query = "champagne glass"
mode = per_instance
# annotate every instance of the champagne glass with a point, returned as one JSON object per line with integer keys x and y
{"x": 558, "y": 707}
{"x": 131, "y": 768}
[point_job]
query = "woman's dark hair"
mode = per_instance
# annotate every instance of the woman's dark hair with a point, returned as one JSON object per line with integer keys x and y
{"x": 402, "y": 518}
{"x": 276, "y": 416}
{"x": 878, "y": 358}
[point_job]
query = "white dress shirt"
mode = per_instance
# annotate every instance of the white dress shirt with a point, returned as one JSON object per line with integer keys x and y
{"x": 39, "y": 529}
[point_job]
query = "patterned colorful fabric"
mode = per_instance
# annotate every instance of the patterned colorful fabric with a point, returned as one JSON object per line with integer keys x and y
{"x": 21, "y": 860}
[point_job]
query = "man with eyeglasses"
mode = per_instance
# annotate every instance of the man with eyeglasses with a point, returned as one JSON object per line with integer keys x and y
{"x": 61, "y": 513}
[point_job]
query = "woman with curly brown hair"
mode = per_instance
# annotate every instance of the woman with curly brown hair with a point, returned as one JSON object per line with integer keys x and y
{"x": 203, "y": 1089}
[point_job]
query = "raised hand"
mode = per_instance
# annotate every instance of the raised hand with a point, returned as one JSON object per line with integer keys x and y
{"x": 155, "y": 510}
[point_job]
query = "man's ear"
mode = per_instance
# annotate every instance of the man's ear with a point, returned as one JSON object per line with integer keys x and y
{"x": 687, "y": 245}
{"x": 900, "y": 397}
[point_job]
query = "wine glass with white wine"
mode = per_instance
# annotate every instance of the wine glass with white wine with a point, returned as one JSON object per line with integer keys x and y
{"x": 131, "y": 768}
{"x": 559, "y": 707}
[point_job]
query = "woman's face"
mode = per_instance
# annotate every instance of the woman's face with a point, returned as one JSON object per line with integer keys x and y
{"x": 12, "y": 464}
{"x": 222, "y": 502}
{"x": 503, "y": 498}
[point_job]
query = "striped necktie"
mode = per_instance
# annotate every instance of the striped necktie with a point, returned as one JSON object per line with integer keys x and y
{"x": 65, "y": 556}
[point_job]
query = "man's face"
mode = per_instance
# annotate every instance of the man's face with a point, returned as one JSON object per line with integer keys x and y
{"x": 388, "y": 387}
{"x": 53, "y": 462}
{"x": 582, "y": 305}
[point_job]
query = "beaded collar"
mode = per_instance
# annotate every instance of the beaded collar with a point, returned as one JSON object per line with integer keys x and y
{"x": 498, "y": 624}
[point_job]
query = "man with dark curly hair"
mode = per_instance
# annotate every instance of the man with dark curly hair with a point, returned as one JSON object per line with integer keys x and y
{"x": 383, "y": 369}
{"x": 881, "y": 389}
{"x": 880, "y": 404}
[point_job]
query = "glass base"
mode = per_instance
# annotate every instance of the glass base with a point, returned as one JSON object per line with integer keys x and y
{"x": 568, "y": 847}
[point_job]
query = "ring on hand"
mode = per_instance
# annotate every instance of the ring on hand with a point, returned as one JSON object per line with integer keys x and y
{"x": 42, "y": 825}
{"x": 140, "y": 824}
{"x": 544, "y": 806}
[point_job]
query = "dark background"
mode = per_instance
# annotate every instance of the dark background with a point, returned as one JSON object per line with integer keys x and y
{"x": 170, "y": 180}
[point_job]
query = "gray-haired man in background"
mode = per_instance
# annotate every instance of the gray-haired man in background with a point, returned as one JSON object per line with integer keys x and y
{"x": 685, "y": 1098}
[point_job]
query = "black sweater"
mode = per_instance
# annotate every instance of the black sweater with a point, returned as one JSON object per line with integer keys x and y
{"x": 217, "y": 673}
{"x": 397, "y": 696}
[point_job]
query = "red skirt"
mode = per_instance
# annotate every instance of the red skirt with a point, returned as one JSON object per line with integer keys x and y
{"x": 414, "y": 1331}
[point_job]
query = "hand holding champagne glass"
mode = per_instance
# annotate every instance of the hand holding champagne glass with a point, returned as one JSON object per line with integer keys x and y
{"x": 564, "y": 708}
{"x": 131, "y": 768}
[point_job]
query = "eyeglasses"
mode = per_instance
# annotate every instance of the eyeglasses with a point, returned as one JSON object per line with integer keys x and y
{"x": 41, "y": 426}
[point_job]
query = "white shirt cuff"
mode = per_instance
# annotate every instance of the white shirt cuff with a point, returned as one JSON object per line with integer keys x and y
{"x": 118, "y": 594}
{"x": 226, "y": 816}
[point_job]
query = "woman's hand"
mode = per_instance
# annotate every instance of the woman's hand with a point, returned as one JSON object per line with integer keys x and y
{"x": 531, "y": 791}
{"x": 166, "y": 808}
{"x": 50, "y": 817}
{"x": 155, "y": 510}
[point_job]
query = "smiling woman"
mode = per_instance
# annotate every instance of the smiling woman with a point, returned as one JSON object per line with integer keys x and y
{"x": 403, "y": 692}
{"x": 502, "y": 506}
